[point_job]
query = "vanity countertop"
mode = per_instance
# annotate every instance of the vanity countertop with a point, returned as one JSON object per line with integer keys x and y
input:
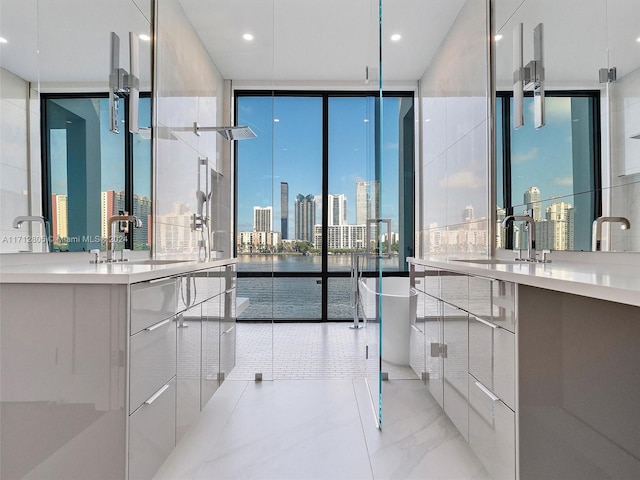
{"x": 613, "y": 282}
{"x": 102, "y": 273}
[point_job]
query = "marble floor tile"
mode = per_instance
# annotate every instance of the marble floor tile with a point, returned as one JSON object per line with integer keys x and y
{"x": 315, "y": 420}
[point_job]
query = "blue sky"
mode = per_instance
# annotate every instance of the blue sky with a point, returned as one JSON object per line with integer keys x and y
{"x": 289, "y": 149}
{"x": 111, "y": 152}
{"x": 544, "y": 157}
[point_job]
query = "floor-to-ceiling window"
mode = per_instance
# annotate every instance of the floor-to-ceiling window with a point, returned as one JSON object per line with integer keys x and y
{"x": 309, "y": 196}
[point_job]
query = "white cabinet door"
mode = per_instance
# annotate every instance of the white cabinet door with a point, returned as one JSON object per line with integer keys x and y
{"x": 210, "y": 373}
{"x": 492, "y": 358}
{"x": 152, "y": 432}
{"x": 152, "y": 302}
{"x": 492, "y": 432}
{"x": 434, "y": 347}
{"x": 152, "y": 360}
{"x": 189, "y": 340}
{"x": 456, "y": 367}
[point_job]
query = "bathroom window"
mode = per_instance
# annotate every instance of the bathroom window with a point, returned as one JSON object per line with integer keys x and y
{"x": 91, "y": 173}
{"x": 323, "y": 166}
{"x": 551, "y": 174}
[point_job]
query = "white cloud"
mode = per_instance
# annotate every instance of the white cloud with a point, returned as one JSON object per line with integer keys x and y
{"x": 563, "y": 181}
{"x": 463, "y": 179}
{"x": 555, "y": 108}
{"x": 525, "y": 157}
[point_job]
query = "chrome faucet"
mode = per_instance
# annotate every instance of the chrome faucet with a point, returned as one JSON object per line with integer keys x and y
{"x": 18, "y": 221}
{"x": 596, "y": 241}
{"x": 531, "y": 237}
{"x": 111, "y": 247}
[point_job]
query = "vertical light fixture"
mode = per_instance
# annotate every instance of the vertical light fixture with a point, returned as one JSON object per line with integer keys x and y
{"x": 537, "y": 65}
{"x": 529, "y": 77}
{"x": 123, "y": 84}
{"x": 518, "y": 78}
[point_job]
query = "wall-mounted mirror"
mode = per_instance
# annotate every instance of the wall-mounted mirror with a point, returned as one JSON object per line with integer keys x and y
{"x": 584, "y": 162}
{"x": 55, "y": 66}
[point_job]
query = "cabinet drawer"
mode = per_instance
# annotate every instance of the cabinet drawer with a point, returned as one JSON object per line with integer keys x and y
{"x": 492, "y": 431}
{"x": 152, "y": 302}
{"x": 455, "y": 289}
{"x": 153, "y": 360}
{"x": 196, "y": 287}
{"x": 493, "y": 300}
{"x": 503, "y": 304}
{"x": 152, "y": 432}
{"x": 492, "y": 358}
{"x": 227, "y": 351}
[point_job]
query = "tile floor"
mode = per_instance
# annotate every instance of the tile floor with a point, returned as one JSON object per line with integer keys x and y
{"x": 314, "y": 420}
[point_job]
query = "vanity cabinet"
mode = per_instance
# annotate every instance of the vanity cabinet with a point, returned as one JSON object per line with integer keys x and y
{"x": 100, "y": 380}
{"x": 470, "y": 339}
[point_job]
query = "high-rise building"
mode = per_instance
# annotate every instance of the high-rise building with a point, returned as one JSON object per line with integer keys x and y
{"x": 532, "y": 201}
{"x": 337, "y": 214}
{"x": 556, "y": 231}
{"x": 305, "y": 212}
{"x": 60, "y": 214}
{"x": 111, "y": 203}
{"x": 467, "y": 214}
{"x": 363, "y": 203}
{"x": 284, "y": 210}
{"x": 262, "y": 219}
{"x": 342, "y": 236}
{"x": 142, "y": 210}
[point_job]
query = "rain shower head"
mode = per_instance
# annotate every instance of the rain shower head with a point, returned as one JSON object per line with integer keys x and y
{"x": 230, "y": 133}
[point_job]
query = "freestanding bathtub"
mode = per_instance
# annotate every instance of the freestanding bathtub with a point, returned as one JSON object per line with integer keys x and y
{"x": 399, "y": 303}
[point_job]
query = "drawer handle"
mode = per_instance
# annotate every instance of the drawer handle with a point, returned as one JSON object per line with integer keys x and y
{"x": 158, "y": 325}
{"x": 488, "y": 324}
{"x": 155, "y": 396}
{"x": 487, "y": 392}
{"x": 158, "y": 280}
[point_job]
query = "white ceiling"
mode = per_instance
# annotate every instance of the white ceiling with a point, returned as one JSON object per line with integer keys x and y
{"x": 314, "y": 41}
{"x": 330, "y": 40}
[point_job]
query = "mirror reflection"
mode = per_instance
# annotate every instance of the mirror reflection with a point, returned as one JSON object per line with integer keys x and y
{"x": 583, "y": 163}
{"x": 74, "y": 173}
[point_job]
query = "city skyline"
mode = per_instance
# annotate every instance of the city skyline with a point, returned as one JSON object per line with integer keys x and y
{"x": 111, "y": 203}
{"x": 289, "y": 150}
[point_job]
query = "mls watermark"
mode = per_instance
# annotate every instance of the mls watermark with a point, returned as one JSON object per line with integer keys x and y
{"x": 60, "y": 240}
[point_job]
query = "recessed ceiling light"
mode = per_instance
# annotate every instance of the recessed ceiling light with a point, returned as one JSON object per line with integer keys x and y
{"x": 276, "y": 120}
{"x": 248, "y": 37}
{"x": 498, "y": 37}
{"x": 3, "y": 40}
{"x": 366, "y": 120}
{"x": 395, "y": 37}
{"x": 637, "y": 39}
{"x": 144, "y": 37}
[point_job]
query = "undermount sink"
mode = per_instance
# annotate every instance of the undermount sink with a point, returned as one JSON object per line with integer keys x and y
{"x": 154, "y": 261}
{"x": 489, "y": 261}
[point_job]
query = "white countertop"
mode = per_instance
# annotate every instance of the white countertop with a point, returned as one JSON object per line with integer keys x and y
{"x": 612, "y": 282}
{"x": 102, "y": 273}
